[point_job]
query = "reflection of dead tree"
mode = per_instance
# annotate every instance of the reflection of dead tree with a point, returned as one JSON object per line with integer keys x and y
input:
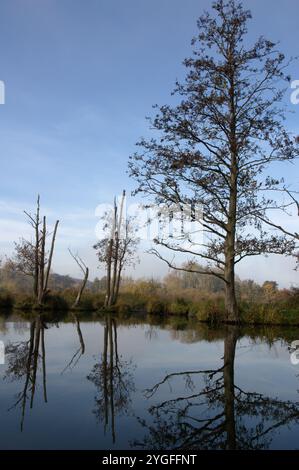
{"x": 85, "y": 271}
{"x": 217, "y": 414}
{"x": 113, "y": 379}
{"x": 31, "y": 258}
{"x": 23, "y": 360}
{"x": 76, "y": 357}
{"x": 151, "y": 333}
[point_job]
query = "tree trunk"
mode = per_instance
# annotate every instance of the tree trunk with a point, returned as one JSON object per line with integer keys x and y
{"x": 42, "y": 265}
{"x": 81, "y": 290}
{"x": 36, "y": 251}
{"x": 232, "y": 314}
{"x": 115, "y": 270}
{"x": 50, "y": 257}
{"x": 231, "y": 307}
{"x": 109, "y": 263}
{"x": 118, "y": 281}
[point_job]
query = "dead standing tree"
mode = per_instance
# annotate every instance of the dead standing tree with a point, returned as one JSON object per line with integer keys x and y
{"x": 216, "y": 143}
{"x": 31, "y": 257}
{"x": 85, "y": 271}
{"x": 118, "y": 249}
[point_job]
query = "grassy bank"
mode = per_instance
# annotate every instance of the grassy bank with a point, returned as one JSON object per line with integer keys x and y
{"x": 282, "y": 310}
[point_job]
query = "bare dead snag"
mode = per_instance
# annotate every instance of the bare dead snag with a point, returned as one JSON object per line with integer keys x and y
{"x": 50, "y": 257}
{"x": 31, "y": 257}
{"x": 117, "y": 254}
{"x": 118, "y": 249}
{"x": 85, "y": 271}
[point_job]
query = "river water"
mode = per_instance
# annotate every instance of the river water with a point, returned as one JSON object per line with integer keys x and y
{"x": 146, "y": 383}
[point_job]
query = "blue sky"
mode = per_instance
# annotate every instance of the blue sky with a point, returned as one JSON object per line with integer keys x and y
{"x": 80, "y": 78}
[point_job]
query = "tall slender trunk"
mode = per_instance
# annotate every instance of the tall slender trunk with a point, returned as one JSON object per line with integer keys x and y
{"x": 118, "y": 280}
{"x": 115, "y": 270}
{"x": 36, "y": 251}
{"x": 42, "y": 264}
{"x": 50, "y": 258}
{"x": 231, "y": 307}
{"x": 109, "y": 266}
{"x": 81, "y": 289}
{"x": 232, "y": 314}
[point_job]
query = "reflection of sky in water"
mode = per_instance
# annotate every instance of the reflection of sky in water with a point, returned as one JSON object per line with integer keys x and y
{"x": 68, "y": 419}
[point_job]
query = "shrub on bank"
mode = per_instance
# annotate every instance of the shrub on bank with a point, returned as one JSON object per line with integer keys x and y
{"x": 54, "y": 302}
{"x": 156, "y": 306}
{"x": 23, "y": 302}
{"x": 270, "y": 314}
{"x": 134, "y": 301}
{"x": 282, "y": 309}
{"x": 212, "y": 312}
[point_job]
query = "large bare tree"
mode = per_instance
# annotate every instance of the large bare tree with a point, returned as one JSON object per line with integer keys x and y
{"x": 215, "y": 144}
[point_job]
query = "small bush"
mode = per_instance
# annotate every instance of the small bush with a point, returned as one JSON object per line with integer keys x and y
{"x": 24, "y": 302}
{"x": 55, "y": 302}
{"x": 87, "y": 302}
{"x": 123, "y": 307}
{"x": 211, "y": 311}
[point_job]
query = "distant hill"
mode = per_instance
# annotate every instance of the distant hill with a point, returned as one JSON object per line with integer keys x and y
{"x": 17, "y": 282}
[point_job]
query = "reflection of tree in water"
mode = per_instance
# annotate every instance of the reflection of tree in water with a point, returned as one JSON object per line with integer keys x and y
{"x": 113, "y": 378}
{"x": 81, "y": 350}
{"x": 219, "y": 414}
{"x": 24, "y": 359}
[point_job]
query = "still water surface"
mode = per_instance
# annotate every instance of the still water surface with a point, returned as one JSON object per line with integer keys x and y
{"x": 132, "y": 383}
